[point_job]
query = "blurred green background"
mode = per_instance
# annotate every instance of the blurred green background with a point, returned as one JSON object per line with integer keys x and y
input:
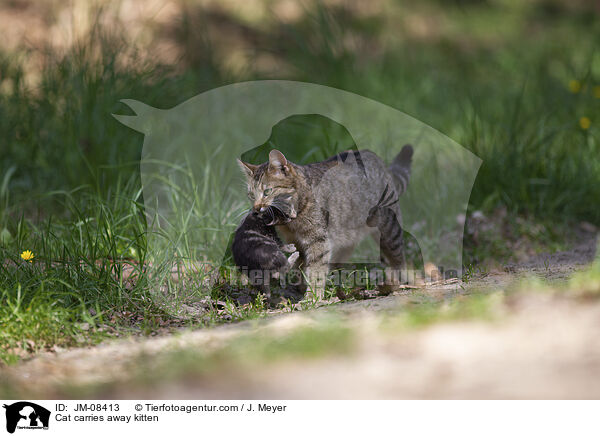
{"x": 516, "y": 82}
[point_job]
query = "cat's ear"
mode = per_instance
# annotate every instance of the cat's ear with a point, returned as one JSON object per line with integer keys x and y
{"x": 247, "y": 169}
{"x": 278, "y": 162}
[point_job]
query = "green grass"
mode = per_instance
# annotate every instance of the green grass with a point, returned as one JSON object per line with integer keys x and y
{"x": 494, "y": 77}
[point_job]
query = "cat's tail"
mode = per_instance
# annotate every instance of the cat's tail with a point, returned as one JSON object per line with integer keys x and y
{"x": 400, "y": 168}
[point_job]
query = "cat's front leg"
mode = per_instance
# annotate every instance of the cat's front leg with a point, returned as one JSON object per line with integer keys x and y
{"x": 316, "y": 277}
{"x": 317, "y": 268}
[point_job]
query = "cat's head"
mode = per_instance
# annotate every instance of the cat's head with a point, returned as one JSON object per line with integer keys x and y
{"x": 273, "y": 184}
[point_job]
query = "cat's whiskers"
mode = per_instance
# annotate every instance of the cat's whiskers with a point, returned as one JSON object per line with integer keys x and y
{"x": 271, "y": 213}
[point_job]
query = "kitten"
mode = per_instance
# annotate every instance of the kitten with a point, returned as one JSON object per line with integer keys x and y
{"x": 327, "y": 204}
{"x": 258, "y": 251}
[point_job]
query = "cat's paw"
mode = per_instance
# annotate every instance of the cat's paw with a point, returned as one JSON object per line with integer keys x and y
{"x": 288, "y": 248}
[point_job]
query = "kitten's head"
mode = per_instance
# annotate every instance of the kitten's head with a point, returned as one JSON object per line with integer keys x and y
{"x": 272, "y": 187}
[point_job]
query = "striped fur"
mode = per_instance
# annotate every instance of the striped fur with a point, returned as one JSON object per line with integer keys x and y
{"x": 400, "y": 168}
{"x": 326, "y": 205}
{"x": 384, "y": 218}
{"x": 257, "y": 247}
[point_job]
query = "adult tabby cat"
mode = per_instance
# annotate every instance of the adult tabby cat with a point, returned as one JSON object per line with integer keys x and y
{"x": 328, "y": 203}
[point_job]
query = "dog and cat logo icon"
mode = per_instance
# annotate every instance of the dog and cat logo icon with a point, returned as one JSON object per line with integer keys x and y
{"x": 26, "y": 415}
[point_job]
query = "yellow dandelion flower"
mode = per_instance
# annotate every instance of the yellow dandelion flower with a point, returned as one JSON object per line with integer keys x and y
{"x": 27, "y": 255}
{"x": 574, "y": 86}
{"x": 597, "y": 91}
{"x": 584, "y": 123}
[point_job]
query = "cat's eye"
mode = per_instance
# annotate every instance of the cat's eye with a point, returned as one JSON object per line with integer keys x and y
{"x": 251, "y": 195}
{"x": 268, "y": 192}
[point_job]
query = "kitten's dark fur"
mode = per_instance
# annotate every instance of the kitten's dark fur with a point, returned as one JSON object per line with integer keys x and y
{"x": 256, "y": 247}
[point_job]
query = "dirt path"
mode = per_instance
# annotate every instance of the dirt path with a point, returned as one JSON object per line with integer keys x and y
{"x": 531, "y": 345}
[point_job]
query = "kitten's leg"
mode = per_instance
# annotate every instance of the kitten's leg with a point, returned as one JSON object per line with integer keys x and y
{"x": 292, "y": 259}
{"x": 288, "y": 248}
{"x": 290, "y": 263}
{"x": 265, "y": 287}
